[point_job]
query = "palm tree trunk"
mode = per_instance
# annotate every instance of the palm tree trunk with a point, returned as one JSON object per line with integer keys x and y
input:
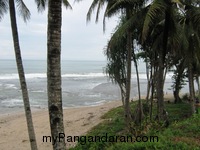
{"x": 138, "y": 79}
{"x": 140, "y": 108}
{"x": 20, "y": 69}
{"x": 148, "y": 81}
{"x": 152, "y": 90}
{"x": 198, "y": 85}
{"x": 122, "y": 93}
{"x": 54, "y": 72}
{"x": 176, "y": 91}
{"x": 128, "y": 81}
{"x": 177, "y": 83}
{"x": 191, "y": 88}
{"x": 159, "y": 87}
{"x": 128, "y": 115}
{"x": 161, "y": 61}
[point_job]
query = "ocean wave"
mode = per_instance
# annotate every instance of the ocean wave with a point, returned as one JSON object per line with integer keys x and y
{"x": 144, "y": 76}
{"x": 10, "y": 86}
{"x": 43, "y": 75}
{"x": 95, "y": 103}
{"x": 84, "y": 75}
{"x": 38, "y": 91}
{"x": 70, "y": 75}
{"x": 28, "y": 76}
{"x": 19, "y": 102}
{"x": 12, "y": 102}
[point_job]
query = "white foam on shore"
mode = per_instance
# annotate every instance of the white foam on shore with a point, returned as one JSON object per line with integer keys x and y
{"x": 44, "y": 75}
{"x": 12, "y": 102}
{"x": 95, "y": 103}
{"x": 71, "y": 75}
{"x": 86, "y": 75}
{"x": 38, "y": 91}
{"x": 144, "y": 76}
{"x": 28, "y": 76}
{"x": 10, "y": 86}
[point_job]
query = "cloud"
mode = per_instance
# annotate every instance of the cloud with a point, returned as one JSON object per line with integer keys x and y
{"x": 80, "y": 40}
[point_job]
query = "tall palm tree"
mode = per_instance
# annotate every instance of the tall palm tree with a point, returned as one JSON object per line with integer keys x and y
{"x": 161, "y": 14}
{"x": 127, "y": 8}
{"x": 192, "y": 33}
{"x": 54, "y": 67}
{"x": 26, "y": 15}
{"x": 188, "y": 53}
{"x": 111, "y": 8}
{"x": 117, "y": 54}
{"x": 54, "y": 70}
{"x": 182, "y": 34}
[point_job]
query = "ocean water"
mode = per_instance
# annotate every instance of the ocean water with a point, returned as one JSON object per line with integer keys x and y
{"x": 83, "y": 84}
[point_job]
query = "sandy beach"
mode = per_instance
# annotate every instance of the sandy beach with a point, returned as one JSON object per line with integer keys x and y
{"x": 77, "y": 121}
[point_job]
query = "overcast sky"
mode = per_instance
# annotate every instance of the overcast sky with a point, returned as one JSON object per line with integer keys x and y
{"x": 80, "y": 40}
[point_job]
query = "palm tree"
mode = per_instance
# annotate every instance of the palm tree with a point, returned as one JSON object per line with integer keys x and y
{"x": 116, "y": 67}
{"x": 161, "y": 17}
{"x": 26, "y": 15}
{"x": 180, "y": 32}
{"x": 128, "y": 9}
{"x": 54, "y": 70}
{"x": 112, "y": 7}
{"x": 190, "y": 45}
{"x": 130, "y": 29}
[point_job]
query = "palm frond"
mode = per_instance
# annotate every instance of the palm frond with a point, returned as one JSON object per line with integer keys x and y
{"x": 132, "y": 24}
{"x": 156, "y": 10}
{"x": 66, "y": 4}
{"x": 175, "y": 30}
{"x": 77, "y": 1}
{"x": 196, "y": 45}
{"x": 193, "y": 14}
{"x": 116, "y": 6}
{"x": 123, "y": 4}
{"x": 96, "y": 3}
{"x": 41, "y": 5}
{"x": 3, "y": 8}
{"x": 117, "y": 57}
{"x": 91, "y": 9}
{"x": 23, "y": 10}
{"x": 108, "y": 14}
{"x": 100, "y": 5}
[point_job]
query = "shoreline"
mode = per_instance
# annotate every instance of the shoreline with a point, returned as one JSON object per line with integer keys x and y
{"x": 20, "y": 110}
{"x": 77, "y": 122}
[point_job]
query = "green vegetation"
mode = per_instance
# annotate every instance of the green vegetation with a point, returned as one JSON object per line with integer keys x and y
{"x": 182, "y": 133}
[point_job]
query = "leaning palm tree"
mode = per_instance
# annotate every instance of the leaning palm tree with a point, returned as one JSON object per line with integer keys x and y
{"x": 54, "y": 70}
{"x": 127, "y": 7}
{"x": 26, "y": 15}
{"x": 130, "y": 10}
{"x": 117, "y": 48}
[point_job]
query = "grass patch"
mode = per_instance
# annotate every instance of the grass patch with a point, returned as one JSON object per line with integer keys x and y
{"x": 178, "y": 112}
{"x": 183, "y": 132}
